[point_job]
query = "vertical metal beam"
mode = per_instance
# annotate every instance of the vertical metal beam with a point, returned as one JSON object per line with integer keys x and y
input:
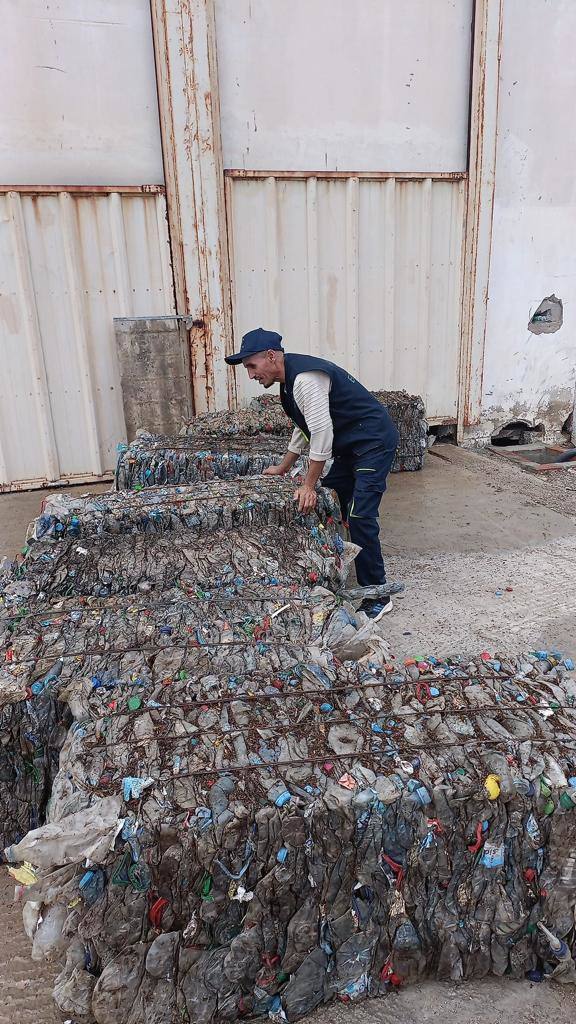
{"x": 425, "y": 266}
{"x": 186, "y": 70}
{"x": 272, "y": 255}
{"x": 352, "y": 273}
{"x": 486, "y": 54}
{"x": 228, "y": 192}
{"x": 164, "y": 249}
{"x": 4, "y": 479}
{"x": 312, "y": 268}
{"x": 39, "y": 383}
{"x": 389, "y": 282}
{"x": 72, "y": 261}
{"x": 122, "y": 271}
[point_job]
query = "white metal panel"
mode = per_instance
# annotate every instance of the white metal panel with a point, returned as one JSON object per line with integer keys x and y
{"x": 528, "y": 376}
{"x": 69, "y": 263}
{"x": 364, "y": 272}
{"x": 479, "y": 218}
{"x": 332, "y": 85}
{"x": 78, "y": 101}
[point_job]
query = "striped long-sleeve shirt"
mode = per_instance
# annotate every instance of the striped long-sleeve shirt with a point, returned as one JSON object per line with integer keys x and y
{"x": 311, "y": 391}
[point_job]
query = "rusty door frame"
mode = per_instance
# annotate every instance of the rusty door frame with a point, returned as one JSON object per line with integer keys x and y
{"x": 485, "y": 55}
{"x": 184, "y": 36}
{"x": 483, "y": 137}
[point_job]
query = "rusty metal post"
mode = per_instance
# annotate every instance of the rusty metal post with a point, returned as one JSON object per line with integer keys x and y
{"x": 187, "y": 76}
{"x": 486, "y": 53}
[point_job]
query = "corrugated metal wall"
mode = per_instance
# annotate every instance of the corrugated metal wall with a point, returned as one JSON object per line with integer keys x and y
{"x": 69, "y": 263}
{"x": 363, "y": 271}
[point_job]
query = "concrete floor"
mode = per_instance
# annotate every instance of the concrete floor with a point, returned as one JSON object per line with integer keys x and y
{"x": 490, "y": 1001}
{"x": 463, "y": 531}
{"x": 466, "y": 527}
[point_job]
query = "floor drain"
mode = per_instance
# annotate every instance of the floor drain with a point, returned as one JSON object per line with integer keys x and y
{"x": 538, "y": 458}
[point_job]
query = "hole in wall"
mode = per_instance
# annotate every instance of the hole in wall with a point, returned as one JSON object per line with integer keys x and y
{"x": 443, "y": 433}
{"x": 517, "y": 432}
{"x": 548, "y": 317}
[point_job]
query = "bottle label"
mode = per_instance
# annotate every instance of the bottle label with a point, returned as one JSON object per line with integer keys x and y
{"x": 492, "y": 855}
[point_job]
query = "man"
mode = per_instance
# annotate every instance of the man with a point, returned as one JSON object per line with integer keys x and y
{"x": 339, "y": 419}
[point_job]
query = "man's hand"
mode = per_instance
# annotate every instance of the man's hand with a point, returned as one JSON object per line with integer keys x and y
{"x": 289, "y": 460}
{"x": 306, "y": 497}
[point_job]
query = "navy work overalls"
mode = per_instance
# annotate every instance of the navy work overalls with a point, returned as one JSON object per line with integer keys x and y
{"x": 365, "y": 443}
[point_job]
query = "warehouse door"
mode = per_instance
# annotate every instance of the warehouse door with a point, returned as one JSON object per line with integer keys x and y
{"x": 345, "y": 138}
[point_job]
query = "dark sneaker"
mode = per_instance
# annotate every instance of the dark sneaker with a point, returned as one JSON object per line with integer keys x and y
{"x": 376, "y": 609}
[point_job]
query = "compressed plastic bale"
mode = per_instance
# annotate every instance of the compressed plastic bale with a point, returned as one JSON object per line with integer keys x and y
{"x": 264, "y": 415}
{"x": 409, "y": 415}
{"x": 195, "y": 510}
{"x": 406, "y": 411}
{"x": 198, "y": 456}
{"x": 135, "y": 564}
{"x": 168, "y": 643}
{"x": 73, "y": 977}
{"x": 32, "y": 733}
{"x": 386, "y": 914}
{"x": 147, "y": 640}
{"x": 190, "y": 731}
{"x": 256, "y": 531}
{"x": 300, "y": 829}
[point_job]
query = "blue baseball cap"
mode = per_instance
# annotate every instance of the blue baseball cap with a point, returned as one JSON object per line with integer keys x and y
{"x": 256, "y": 341}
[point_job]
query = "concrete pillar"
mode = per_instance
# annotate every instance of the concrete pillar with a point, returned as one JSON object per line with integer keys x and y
{"x": 155, "y": 374}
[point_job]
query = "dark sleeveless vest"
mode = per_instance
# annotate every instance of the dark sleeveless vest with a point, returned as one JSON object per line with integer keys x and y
{"x": 359, "y": 421}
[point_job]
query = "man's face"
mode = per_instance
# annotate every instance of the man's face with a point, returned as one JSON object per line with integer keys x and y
{"x": 262, "y": 367}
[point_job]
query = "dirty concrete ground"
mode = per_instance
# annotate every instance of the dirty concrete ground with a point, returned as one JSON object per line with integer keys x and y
{"x": 459, "y": 533}
{"x": 476, "y": 1002}
{"x": 463, "y": 531}
{"x": 25, "y": 986}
